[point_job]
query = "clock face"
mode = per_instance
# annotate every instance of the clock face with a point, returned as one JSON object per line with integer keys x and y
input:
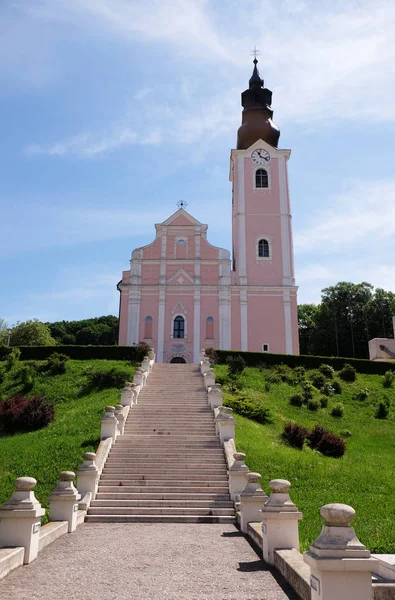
{"x": 260, "y": 156}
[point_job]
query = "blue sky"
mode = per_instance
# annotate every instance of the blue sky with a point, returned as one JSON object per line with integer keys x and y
{"x": 113, "y": 110}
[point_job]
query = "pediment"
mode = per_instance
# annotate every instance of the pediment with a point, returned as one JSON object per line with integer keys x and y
{"x": 179, "y": 308}
{"x": 181, "y": 217}
{"x": 181, "y": 277}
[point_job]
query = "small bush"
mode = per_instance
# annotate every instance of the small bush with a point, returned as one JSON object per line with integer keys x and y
{"x": 56, "y": 363}
{"x": 362, "y": 395}
{"x": 286, "y": 375}
{"x": 331, "y": 445}
{"x": 345, "y": 433}
{"x": 18, "y": 414}
{"x": 308, "y": 390}
{"x": 313, "y": 404}
{"x": 296, "y": 400}
{"x": 315, "y": 435}
{"x": 142, "y": 350}
{"x": 327, "y": 389}
{"x": 383, "y": 408}
{"x": 317, "y": 379}
{"x": 337, "y": 410}
{"x": 250, "y": 409}
{"x": 273, "y": 378}
{"x": 299, "y": 373}
{"x": 388, "y": 379}
{"x": 268, "y": 386}
{"x": 327, "y": 371}
{"x": 324, "y": 401}
{"x": 114, "y": 378}
{"x": 236, "y": 365}
{"x": 337, "y": 386}
{"x": 212, "y": 355}
{"x": 13, "y": 358}
{"x": 295, "y": 435}
{"x": 348, "y": 373}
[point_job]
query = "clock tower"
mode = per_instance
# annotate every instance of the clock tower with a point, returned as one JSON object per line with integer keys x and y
{"x": 263, "y": 285}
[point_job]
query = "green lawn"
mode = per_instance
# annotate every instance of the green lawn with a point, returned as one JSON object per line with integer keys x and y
{"x": 60, "y": 446}
{"x": 364, "y": 477}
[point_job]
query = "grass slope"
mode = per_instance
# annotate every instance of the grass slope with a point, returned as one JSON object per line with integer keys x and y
{"x": 75, "y": 430}
{"x": 363, "y": 477}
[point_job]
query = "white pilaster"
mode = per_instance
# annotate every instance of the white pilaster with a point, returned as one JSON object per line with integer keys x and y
{"x": 241, "y": 218}
{"x": 196, "y": 326}
{"x": 244, "y": 320}
{"x": 287, "y": 322}
{"x": 134, "y": 316}
{"x": 161, "y": 326}
{"x": 224, "y": 319}
{"x": 285, "y": 223}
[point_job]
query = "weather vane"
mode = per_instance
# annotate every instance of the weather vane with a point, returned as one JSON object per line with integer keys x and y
{"x": 182, "y": 204}
{"x": 255, "y": 52}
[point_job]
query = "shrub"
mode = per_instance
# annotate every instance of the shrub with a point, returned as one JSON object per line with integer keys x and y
{"x": 313, "y": 404}
{"x": 348, "y": 373}
{"x": 268, "y": 386}
{"x": 56, "y": 363}
{"x": 388, "y": 379}
{"x": 324, "y": 401}
{"x": 327, "y": 389}
{"x": 113, "y": 378}
{"x": 337, "y": 410}
{"x": 331, "y": 445}
{"x": 273, "y": 378}
{"x": 299, "y": 373}
{"x": 362, "y": 395}
{"x": 286, "y": 374}
{"x": 317, "y": 379}
{"x": 18, "y": 414}
{"x": 337, "y": 386}
{"x": 296, "y": 400}
{"x": 327, "y": 371}
{"x": 383, "y": 408}
{"x": 142, "y": 350}
{"x": 236, "y": 365}
{"x": 212, "y": 355}
{"x": 295, "y": 435}
{"x": 345, "y": 433}
{"x": 315, "y": 435}
{"x": 250, "y": 409}
{"x": 13, "y": 358}
{"x": 307, "y": 390}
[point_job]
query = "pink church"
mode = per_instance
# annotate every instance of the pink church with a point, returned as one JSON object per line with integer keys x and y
{"x": 182, "y": 294}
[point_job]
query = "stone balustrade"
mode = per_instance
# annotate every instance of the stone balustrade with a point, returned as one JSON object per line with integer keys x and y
{"x": 237, "y": 476}
{"x": 119, "y": 415}
{"x": 88, "y": 475}
{"x": 205, "y": 366}
{"x": 252, "y": 499}
{"x": 109, "y": 424}
{"x": 215, "y": 395}
{"x": 209, "y": 379}
{"x": 225, "y": 423}
{"x": 63, "y": 501}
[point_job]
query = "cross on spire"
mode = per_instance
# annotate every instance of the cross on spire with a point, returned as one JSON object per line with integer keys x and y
{"x": 182, "y": 204}
{"x": 255, "y": 52}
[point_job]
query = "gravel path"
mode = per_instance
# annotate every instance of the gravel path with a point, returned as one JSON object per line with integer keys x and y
{"x": 147, "y": 561}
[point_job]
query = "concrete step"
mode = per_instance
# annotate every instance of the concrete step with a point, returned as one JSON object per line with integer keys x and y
{"x": 203, "y": 510}
{"x": 162, "y": 503}
{"x": 185, "y": 478}
{"x": 142, "y": 518}
{"x": 114, "y": 496}
{"x": 160, "y": 487}
{"x": 136, "y": 454}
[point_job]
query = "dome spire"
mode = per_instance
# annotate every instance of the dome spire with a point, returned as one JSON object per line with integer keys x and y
{"x": 255, "y": 78}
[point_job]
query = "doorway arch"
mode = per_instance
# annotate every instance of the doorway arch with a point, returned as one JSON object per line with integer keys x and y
{"x": 178, "y": 359}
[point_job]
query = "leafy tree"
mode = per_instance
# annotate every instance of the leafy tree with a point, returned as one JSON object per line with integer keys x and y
{"x": 307, "y": 316}
{"x": 3, "y": 331}
{"x": 31, "y": 333}
{"x": 97, "y": 331}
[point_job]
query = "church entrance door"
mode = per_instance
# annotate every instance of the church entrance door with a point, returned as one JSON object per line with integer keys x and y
{"x": 178, "y": 359}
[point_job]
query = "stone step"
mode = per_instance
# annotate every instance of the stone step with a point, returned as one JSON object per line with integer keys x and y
{"x": 202, "y": 510}
{"x": 170, "y": 454}
{"x": 158, "y": 519}
{"x": 162, "y": 503}
{"x": 185, "y": 478}
{"x": 114, "y": 496}
{"x": 157, "y": 487}
{"x": 165, "y": 463}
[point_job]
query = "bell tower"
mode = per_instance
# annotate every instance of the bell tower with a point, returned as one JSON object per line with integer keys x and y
{"x": 263, "y": 265}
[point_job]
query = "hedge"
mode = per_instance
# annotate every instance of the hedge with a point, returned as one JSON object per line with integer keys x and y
{"x": 74, "y": 352}
{"x": 256, "y": 359}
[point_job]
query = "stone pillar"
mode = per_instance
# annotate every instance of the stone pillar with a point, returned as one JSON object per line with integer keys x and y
{"x": 237, "y": 476}
{"x": 109, "y": 424}
{"x": 145, "y": 365}
{"x": 118, "y": 413}
{"x": 341, "y": 566}
{"x": 209, "y": 378}
{"x": 127, "y": 395}
{"x": 205, "y": 366}
{"x": 215, "y": 395}
{"x": 279, "y": 521}
{"x": 135, "y": 391}
{"x": 88, "y": 475}
{"x": 225, "y": 423}
{"x": 63, "y": 501}
{"x": 252, "y": 499}
{"x": 20, "y": 519}
{"x": 138, "y": 377}
{"x": 202, "y": 355}
{"x": 151, "y": 354}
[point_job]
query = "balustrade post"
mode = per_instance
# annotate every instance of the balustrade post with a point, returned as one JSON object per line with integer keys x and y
{"x": 109, "y": 424}
{"x": 225, "y": 423}
{"x": 252, "y": 499}
{"x": 63, "y": 501}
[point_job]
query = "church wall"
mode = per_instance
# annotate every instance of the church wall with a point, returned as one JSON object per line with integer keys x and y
{"x": 264, "y": 271}
{"x": 209, "y": 274}
{"x": 235, "y": 319}
{"x": 149, "y": 308}
{"x": 295, "y": 325}
{"x": 266, "y": 321}
{"x": 207, "y": 251}
{"x": 209, "y": 307}
{"x": 123, "y": 317}
{"x": 153, "y": 250}
{"x": 150, "y": 273}
{"x": 175, "y": 346}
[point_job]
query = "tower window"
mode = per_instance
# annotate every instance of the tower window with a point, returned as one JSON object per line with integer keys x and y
{"x": 261, "y": 178}
{"x": 179, "y": 327}
{"x": 263, "y": 249}
{"x": 209, "y": 328}
{"x": 265, "y": 347}
{"x": 148, "y": 327}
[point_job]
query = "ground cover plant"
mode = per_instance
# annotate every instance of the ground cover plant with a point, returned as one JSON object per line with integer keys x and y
{"x": 363, "y": 477}
{"x": 77, "y": 406}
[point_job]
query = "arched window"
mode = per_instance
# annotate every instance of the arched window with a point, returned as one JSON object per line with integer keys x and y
{"x": 263, "y": 249}
{"x": 179, "y": 327}
{"x": 148, "y": 327}
{"x": 261, "y": 178}
{"x": 210, "y": 328}
{"x": 181, "y": 248}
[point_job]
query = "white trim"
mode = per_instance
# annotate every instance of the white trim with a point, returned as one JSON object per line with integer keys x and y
{"x": 161, "y": 325}
{"x": 285, "y": 229}
{"x": 241, "y": 218}
{"x": 224, "y": 324}
{"x": 184, "y": 316}
{"x": 287, "y": 322}
{"x": 181, "y": 238}
{"x": 269, "y": 179}
{"x": 269, "y": 241}
{"x": 243, "y": 320}
{"x": 267, "y": 347}
{"x": 182, "y": 273}
{"x": 196, "y": 326}
{"x": 133, "y": 316}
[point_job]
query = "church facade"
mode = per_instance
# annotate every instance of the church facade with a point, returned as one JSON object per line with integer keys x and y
{"x": 182, "y": 294}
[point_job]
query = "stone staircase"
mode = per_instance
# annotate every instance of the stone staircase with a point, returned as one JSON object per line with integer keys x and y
{"x": 169, "y": 465}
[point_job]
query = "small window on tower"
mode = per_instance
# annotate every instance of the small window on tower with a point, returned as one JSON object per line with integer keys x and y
{"x": 209, "y": 328}
{"x": 148, "y": 327}
{"x": 263, "y": 249}
{"x": 261, "y": 178}
{"x": 265, "y": 347}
